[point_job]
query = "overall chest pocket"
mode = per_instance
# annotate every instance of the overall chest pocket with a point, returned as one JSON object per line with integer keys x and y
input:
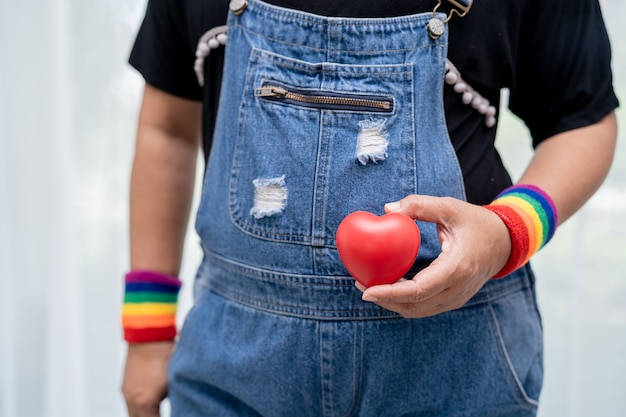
{"x": 316, "y": 141}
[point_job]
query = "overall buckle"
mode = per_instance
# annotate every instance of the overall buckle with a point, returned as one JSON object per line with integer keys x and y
{"x": 436, "y": 26}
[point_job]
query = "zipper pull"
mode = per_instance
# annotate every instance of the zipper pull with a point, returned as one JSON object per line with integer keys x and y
{"x": 270, "y": 91}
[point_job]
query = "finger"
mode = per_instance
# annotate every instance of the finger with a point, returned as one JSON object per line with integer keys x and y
{"x": 426, "y": 284}
{"x": 423, "y": 207}
{"x": 362, "y": 287}
{"x": 414, "y": 311}
{"x": 143, "y": 411}
{"x": 448, "y": 300}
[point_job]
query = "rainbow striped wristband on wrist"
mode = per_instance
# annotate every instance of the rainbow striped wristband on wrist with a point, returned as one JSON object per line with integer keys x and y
{"x": 531, "y": 217}
{"x": 149, "y": 310}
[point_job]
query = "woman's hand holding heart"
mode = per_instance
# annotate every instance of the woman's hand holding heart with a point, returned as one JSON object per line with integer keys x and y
{"x": 475, "y": 246}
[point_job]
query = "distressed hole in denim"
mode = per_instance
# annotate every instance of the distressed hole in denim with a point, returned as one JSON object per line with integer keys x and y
{"x": 270, "y": 197}
{"x": 372, "y": 141}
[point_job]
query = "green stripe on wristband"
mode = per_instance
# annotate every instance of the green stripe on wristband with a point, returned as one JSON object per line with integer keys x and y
{"x": 150, "y": 297}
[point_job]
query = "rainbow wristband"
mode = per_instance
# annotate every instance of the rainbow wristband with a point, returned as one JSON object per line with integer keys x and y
{"x": 149, "y": 310}
{"x": 531, "y": 217}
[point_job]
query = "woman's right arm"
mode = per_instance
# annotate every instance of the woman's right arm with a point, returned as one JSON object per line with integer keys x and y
{"x": 162, "y": 182}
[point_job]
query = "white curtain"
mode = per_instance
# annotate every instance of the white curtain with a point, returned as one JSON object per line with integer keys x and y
{"x": 68, "y": 104}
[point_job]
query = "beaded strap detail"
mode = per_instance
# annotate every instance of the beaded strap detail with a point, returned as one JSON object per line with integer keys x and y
{"x": 150, "y": 304}
{"x": 469, "y": 96}
{"x": 531, "y": 218}
{"x": 212, "y": 39}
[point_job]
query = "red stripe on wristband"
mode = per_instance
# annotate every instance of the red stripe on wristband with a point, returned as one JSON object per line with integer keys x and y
{"x": 517, "y": 229}
{"x": 149, "y": 335}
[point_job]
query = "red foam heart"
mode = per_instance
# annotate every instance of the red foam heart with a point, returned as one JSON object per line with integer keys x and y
{"x": 377, "y": 249}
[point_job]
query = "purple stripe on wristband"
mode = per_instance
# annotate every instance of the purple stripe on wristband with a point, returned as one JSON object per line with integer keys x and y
{"x": 137, "y": 276}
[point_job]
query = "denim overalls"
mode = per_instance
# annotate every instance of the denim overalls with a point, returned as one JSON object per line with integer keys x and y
{"x": 320, "y": 117}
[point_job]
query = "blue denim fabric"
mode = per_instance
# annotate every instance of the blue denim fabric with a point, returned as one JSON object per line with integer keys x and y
{"x": 315, "y": 150}
{"x": 278, "y": 328}
{"x": 255, "y": 355}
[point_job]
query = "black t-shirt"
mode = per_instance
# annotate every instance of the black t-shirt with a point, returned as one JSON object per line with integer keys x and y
{"x": 553, "y": 56}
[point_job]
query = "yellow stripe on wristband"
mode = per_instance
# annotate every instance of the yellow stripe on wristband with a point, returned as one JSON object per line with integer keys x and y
{"x": 145, "y": 309}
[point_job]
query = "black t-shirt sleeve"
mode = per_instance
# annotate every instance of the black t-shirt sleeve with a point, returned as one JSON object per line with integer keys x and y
{"x": 163, "y": 52}
{"x": 564, "y": 78}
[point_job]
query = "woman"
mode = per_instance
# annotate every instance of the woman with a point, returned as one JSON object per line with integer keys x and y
{"x": 278, "y": 327}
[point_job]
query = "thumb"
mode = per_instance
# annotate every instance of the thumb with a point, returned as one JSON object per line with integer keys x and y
{"x": 425, "y": 208}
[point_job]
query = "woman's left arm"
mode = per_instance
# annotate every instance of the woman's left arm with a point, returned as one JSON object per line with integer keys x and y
{"x": 571, "y": 166}
{"x": 475, "y": 242}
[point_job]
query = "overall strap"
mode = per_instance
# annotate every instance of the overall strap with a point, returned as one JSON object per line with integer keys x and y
{"x": 436, "y": 26}
{"x": 463, "y": 5}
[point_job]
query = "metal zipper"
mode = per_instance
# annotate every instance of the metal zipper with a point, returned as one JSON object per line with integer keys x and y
{"x": 325, "y": 100}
